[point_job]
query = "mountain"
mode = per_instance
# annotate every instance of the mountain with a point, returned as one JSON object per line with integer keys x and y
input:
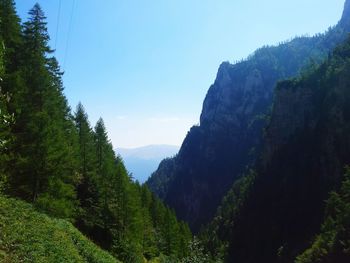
{"x": 275, "y": 212}
{"x": 142, "y": 161}
{"x": 235, "y": 111}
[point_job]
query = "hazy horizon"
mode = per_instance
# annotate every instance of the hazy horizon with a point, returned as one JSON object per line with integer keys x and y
{"x": 148, "y": 145}
{"x": 141, "y": 162}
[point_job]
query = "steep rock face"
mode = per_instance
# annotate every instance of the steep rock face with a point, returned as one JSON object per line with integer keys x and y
{"x": 217, "y": 152}
{"x": 346, "y": 17}
{"x": 306, "y": 148}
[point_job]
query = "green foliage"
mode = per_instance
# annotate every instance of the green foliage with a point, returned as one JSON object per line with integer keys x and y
{"x": 333, "y": 243}
{"x": 6, "y": 119}
{"x": 87, "y": 187}
{"x": 29, "y": 236}
{"x": 4, "y": 124}
{"x": 197, "y": 253}
{"x": 122, "y": 216}
{"x": 10, "y": 29}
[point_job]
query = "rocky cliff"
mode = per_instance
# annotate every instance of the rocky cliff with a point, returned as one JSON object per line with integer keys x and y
{"x": 228, "y": 139}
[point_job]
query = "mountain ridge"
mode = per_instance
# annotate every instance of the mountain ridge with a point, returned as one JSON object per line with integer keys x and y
{"x": 142, "y": 161}
{"x": 228, "y": 139}
{"x": 149, "y": 151}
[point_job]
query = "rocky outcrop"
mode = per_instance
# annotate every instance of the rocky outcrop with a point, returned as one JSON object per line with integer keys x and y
{"x": 232, "y": 98}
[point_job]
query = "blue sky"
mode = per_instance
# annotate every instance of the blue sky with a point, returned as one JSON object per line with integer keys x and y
{"x": 145, "y": 66}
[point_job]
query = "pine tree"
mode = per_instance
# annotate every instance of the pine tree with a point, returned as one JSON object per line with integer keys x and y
{"x": 30, "y": 119}
{"x": 105, "y": 171}
{"x": 45, "y": 137}
{"x": 134, "y": 220}
{"x": 125, "y": 207}
{"x": 87, "y": 191}
{"x": 171, "y": 233}
{"x": 62, "y": 150}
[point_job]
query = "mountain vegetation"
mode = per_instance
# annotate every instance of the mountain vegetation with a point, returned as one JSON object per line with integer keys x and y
{"x": 29, "y": 236}
{"x": 54, "y": 160}
{"x": 333, "y": 243}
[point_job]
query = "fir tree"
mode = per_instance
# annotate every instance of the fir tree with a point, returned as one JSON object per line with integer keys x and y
{"x": 45, "y": 138}
{"x": 87, "y": 191}
{"x": 105, "y": 169}
{"x": 149, "y": 242}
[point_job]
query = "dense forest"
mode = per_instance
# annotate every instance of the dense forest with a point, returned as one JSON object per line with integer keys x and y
{"x": 53, "y": 159}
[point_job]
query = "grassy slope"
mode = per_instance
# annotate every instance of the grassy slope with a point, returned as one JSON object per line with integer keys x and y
{"x": 29, "y": 236}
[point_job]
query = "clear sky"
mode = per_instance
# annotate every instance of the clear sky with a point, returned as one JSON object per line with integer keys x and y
{"x": 145, "y": 66}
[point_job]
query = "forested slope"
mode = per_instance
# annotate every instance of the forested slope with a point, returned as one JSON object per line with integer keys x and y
{"x": 273, "y": 214}
{"x": 55, "y": 160}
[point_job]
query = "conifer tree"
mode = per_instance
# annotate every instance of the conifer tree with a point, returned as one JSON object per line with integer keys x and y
{"x": 87, "y": 191}
{"x": 171, "y": 233}
{"x": 62, "y": 143}
{"x": 105, "y": 177}
{"x": 134, "y": 220}
{"x": 149, "y": 242}
{"x": 45, "y": 137}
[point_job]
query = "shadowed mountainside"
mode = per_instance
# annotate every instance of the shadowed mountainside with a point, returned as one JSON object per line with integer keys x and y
{"x": 228, "y": 139}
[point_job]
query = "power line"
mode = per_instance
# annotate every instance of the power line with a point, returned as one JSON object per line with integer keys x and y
{"x": 69, "y": 34}
{"x": 58, "y": 22}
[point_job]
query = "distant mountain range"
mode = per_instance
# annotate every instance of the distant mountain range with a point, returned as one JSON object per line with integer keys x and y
{"x": 142, "y": 161}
